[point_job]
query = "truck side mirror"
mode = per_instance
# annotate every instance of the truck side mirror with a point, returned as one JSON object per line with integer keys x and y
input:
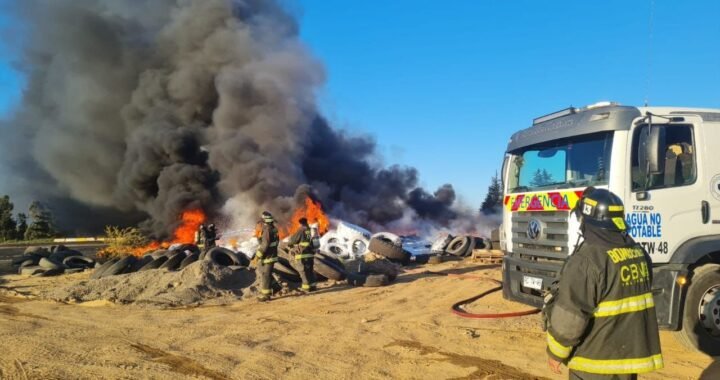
{"x": 651, "y": 151}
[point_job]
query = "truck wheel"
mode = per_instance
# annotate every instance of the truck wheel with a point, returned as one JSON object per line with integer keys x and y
{"x": 701, "y": 315}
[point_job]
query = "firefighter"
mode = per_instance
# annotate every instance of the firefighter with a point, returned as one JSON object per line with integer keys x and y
{"x": 210, "y": 236}
{"x": 301, "y": 247}
{"x": 601, "y": 318}
{"x": 266, "y": 255}
{"x": 200, "y": 235}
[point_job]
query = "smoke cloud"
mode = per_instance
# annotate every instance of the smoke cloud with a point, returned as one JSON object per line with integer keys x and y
{"x": 153, "y": 107}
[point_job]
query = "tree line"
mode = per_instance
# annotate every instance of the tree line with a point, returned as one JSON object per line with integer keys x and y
{"x": 36, "y": 224}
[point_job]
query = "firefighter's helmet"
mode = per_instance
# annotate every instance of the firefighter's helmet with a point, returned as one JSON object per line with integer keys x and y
{"x": 601, "y": 208}
{"x": 303, "y": 221}
{"x": 267, "y": 217}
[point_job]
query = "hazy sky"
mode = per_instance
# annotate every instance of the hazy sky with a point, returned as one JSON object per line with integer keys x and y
{"x": 442, "y": 88}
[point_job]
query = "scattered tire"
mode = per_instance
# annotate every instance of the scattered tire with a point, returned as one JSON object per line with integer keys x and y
{"x": 283, "y": 269}
{"x": 333, "y": 259}
{"x": 120, "y": 267}
{"x": 243, "y": 259}
{"x": 74, "y": 270}
{"x": 700, "y": 324}
{"x": 40, "y": 251}
{"x": 97, "y": 273}
{"x": 48, "y": 263}
{"x": 19, "y": 260}
{"x": 155, "y": 264}
{"x": 29, "y": 263}
{"x": 387, "y": 236}
{"x": 173, "y": 262}
{"x": 222, "y": 256}
{"x": 58, "y": 248}
{"x": 78, "y": 262}
{"x": 191, "y": 258}
{"x": 31, "y": 270}
{"x": 459, "y": 246}
{"x": 389, "y": 250}
{"x": 329, "y": 269}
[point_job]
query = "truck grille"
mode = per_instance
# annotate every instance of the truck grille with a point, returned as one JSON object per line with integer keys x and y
{"x": 551, "y": 246}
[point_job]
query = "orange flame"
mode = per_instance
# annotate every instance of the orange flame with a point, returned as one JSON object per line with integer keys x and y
{"x": 313, "y": 212}
{"x": 190, "y": 221}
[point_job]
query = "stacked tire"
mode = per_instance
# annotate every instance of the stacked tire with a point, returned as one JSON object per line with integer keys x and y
{"x": 388, "y": 246}
{"x": 42, "y": 261}
{"x": 171, "y": 260}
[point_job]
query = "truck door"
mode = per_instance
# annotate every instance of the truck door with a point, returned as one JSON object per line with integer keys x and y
{"x": 671, "y": 212}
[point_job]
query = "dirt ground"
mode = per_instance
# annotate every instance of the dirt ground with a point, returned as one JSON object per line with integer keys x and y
{"x": 402, "y": 331}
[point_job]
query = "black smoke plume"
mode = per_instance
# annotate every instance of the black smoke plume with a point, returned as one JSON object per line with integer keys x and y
{"x": 158, "y": 106}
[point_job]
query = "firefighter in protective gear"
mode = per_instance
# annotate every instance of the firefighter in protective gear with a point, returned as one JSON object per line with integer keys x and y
{"x": 601, "y": 322}
{"x": 302, "y": 250}
{"x": 210, "y": 236}
{"x": 266, "y": 255}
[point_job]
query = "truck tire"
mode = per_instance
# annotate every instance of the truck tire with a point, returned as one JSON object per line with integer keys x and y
{"x": 333, "y": 259}
{"x": 459, "y": 246}
{"x": 48, "y": 263}
{"x": 97, "y": 273}
{"x": 222, "y": 256}
{"x": 701, "y": 314}
{"x": 173, "y": 262}
{"x": 78, "y": 262}
{"x": 192, "y": 248}
{"x": 155, "y": 264}
{"x": 389, "y": 250}
{"x": 120, "y": 267}
{"x": 389, "y": 237}
{"x": 141, "y": 262}
{"x": 158, "y": 253}
{"x": 283, "y": 269}
{"x": 191, "y": 258}
{"x": 328, "y": 269}
{"x": 30, "y": 270}
{"x": 19, "y": 260}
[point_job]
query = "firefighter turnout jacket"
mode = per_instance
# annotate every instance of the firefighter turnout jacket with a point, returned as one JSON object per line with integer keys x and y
{"x": 302, "y": 238}
{"x": 269, "y": 240}
{"x": 602, "y": 319}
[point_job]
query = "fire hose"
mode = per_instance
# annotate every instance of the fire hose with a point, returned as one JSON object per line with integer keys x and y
{"x": 458, "y": 310}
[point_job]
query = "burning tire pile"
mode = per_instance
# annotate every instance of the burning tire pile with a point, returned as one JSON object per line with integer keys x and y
{"x": 174, "y": 259}
{"x": 52, "y": 261}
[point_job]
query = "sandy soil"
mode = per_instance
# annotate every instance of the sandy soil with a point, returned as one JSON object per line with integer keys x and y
{"x": 403, "y": 331}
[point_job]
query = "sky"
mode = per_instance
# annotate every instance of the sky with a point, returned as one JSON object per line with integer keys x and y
{"x": 442, "y": 87}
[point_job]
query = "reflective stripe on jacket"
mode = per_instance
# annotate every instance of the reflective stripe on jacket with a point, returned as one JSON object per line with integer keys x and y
{"x": 603, "y": 318}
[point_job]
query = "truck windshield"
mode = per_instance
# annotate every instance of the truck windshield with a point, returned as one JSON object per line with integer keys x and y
{"x": 578, "y": 161}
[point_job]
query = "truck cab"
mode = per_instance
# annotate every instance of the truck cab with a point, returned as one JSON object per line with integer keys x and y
{"x": 662, "y": 162}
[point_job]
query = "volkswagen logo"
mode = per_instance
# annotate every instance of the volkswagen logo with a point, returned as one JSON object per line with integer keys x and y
{"x": 534, "y": 229}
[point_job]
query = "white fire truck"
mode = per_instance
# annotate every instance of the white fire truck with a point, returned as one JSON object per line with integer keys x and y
{"x": 662, "y": 162}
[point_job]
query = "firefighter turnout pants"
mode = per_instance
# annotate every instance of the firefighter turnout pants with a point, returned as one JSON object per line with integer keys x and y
{"x": 304, "y": 266}
{"x": 264, "y": 274}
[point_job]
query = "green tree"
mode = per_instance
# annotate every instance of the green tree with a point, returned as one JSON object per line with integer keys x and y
{"x": 493, "y": 199}
{"x": 21, "y": 226}
{"x": 541, "y": 178}
{"x": 7, "y": 223}
{"x": 41, "y": 225}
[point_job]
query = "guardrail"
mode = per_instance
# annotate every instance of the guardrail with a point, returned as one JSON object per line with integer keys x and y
{"x": 79, "y": 240}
